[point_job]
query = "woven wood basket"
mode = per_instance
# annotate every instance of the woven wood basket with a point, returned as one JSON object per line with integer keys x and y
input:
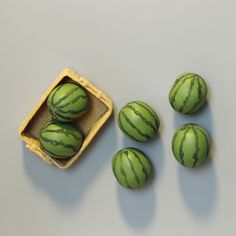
{"x": 99, "y": 110}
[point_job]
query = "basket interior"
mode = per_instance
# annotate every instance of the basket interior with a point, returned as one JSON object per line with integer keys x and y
{"x": 96, "y": 109}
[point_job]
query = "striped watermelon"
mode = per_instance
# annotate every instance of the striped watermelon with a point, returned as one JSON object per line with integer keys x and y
{"x": 131, "y": 168}
{"x": 188, "y": 94}
{"x": 138, "y": 121}
{"x": 191, "y": 145}
{"x": 67, "y": 102}
{"x": 60, "y": 140}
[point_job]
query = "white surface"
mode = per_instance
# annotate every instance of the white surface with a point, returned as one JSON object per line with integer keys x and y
{"x": 131, "y": 49}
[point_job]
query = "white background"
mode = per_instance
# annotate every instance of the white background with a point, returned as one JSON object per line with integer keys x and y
{"x": 131, "y": 49}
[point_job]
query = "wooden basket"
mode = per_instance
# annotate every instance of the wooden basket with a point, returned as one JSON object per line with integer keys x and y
{"x": 99, "y": 110}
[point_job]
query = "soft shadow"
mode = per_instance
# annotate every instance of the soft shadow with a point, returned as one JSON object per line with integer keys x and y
{"x": 199, "y": 185}
{"x": 68, "y": 187}
{"x": 202, "y": 118}
{"x": 138, "y": 206}
{"x": 199, "y": 189}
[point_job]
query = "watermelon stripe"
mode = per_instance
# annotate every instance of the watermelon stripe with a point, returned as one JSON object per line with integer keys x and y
{"x": 73, "y": 101}
{"x": 124, "y": 174}
{"x": 67, "y": 118}
{"x": 52, "y": 97}
{"x": 143, "y": 166}
{"x": 53, "y": 154}
{"x": 114, "y": 162}
{"x": 198, "y": 102}
{"x": 205, "y": 136}
{"x": 147, "y": 122}
{"x": 181, "y": 152}
{"x": 150, "y": 112}
{"x": 175, "y": 136}
{"x": 188, "y": 96}
{"x": 56, "y": 143}
{"x": 178, "y": 79}
{"x": 68, "y": 94}
{"x": 134, "y": 127}
{"x": 132, "y": 168}
{"x": 173, "y": 96}
{"x": 45, "y": 126}
{"x": 195, "y": 155}
{"x": 63, "y": 131}
{"x": 73, "y": 112}
{"x": 122, "y": 128}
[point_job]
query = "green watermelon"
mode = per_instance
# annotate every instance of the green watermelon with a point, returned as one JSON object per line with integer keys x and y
{"x": 188, "y": 94}
{"x": 131, "y": 168}
{"x": 138, "y": 121}
{"x": 190, "y": 145}
{"x": 67, "y": 102}
{"x": 60, "y": 140}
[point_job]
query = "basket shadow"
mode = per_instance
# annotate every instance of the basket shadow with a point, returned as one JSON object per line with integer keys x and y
{"x": 68, "y": 187}
{"x": 199, "y": 186}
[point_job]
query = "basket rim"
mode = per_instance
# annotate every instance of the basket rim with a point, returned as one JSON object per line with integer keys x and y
{"x": 101, "y": 96}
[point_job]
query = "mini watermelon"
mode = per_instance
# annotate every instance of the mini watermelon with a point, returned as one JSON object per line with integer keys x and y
{"x": 188, "y": 94}
{"x": 60, "y": 140}
{"x": 138, "y": 121}
{"x": 190, "y": 145}
{"x": 67, "y": 102}
{"x": 131, "y": 168}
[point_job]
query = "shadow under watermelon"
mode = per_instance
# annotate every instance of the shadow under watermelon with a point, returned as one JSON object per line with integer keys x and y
{"x": 138, "y": 207}
{"x": 199, "y": 189}
{"x": 199, "y": 185}
{"x": 68, "y": 187}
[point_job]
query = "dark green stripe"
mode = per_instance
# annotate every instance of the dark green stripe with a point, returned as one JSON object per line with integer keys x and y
{"x": 147, "y": 122}
{"x": 74, "y": 100}
{"x": 53, "y": 154}
{"x": 207, "y": 140}
{"x": 134, "y": 127}
{"x": 122, "y": 128}
{"x": 56, "y": 143}
{"x": 181, "y": 153}
{"x": 124, "y": 173}
{"x": 132, "y": 167}
{"x": 195, "y": 155}
{"x": 151, "y": 113}
{"x": 65, "y": 132}
{"x": 175, "y": 136}
{"x": 69, "y": 93}
{"x": 172, "y": 97}
{"x": 199, "y": 96}
{"x": 188, "y": 96}
{"x": 143, "y": 166}
{"x": 52, "y": 97}
{"x": 178, "y": 80}
{"x": 114, "y": 162}
{"x": 46, "y": 126}
{"x": 62, "y": 116}
{"x": 73, "y": 112}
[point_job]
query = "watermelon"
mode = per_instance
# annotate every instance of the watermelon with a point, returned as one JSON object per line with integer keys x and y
{"x": 131, "y": 168}
{"x": 188, "y": 94}
{"x": 138, "y": 121}
{"x": 60, "y": 140}
{"x": 67, "y": 102}
{"x": 190, "y": 145}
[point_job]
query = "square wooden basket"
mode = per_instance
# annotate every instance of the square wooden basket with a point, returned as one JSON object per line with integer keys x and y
{"x": 99, "y": 110}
